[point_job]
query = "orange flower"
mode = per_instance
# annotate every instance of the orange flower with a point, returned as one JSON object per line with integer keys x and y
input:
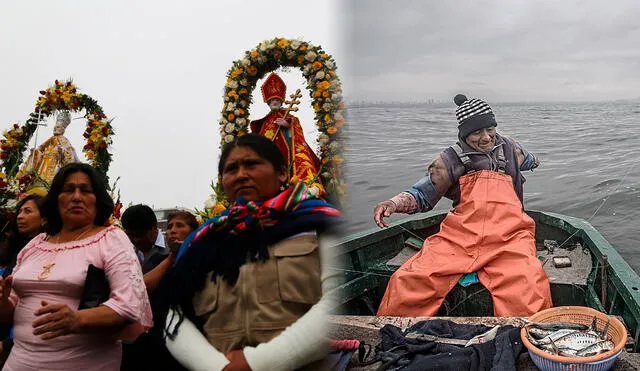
{"x": 233, "y": 94}
{"x": 302, "y": 47}
{"x": 325, "y": 160}
{"x": 252, "y": 70}
{"x": 325, "y": 94}
{"x": 219, "y": 208}
{"x": 332, "y": 73}
{"x": 231, "y": 117}
{"x": 316, "y": 107}
{"x": 317, "y": 94}
{"x": 254, "y": 54}
{"x": 332, "y": 130}
{"x": 244, "y": 91}
{"x": 324, "y": 85}
{"x": 339, "y": 124}
{"x": 277, "y": 54}
{"x": 283, "y": 43}
{"x": 300, "y": 59}
{"x": 316, "y": 65}
{"x": 240, "y": 112}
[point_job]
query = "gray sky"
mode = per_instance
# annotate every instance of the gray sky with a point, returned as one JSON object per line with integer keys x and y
{"x": 507, "y": 50}
{"x": 159, "y": 68}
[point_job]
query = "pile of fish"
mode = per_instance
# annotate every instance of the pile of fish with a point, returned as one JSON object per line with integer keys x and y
{"x": 569, "y": 339}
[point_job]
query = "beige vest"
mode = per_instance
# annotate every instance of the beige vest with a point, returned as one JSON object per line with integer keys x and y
{"x": 268, "y": 297}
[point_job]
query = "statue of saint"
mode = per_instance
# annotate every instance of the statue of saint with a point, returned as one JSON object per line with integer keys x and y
{"x": 286, "y": 132}
{"x": 54, "y": 153}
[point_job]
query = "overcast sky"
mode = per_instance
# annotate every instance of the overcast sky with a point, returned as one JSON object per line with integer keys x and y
{"x": 159, "y": 68}
{"x": 507, "y": 50}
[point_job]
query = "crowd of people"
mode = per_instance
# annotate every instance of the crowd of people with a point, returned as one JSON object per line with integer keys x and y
{"x": 246, "y": 290}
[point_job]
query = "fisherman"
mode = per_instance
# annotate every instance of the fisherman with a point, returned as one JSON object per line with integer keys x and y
{"x": 487, "y": 232}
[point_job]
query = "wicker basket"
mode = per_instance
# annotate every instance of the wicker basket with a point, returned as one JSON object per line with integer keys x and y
{"x": 584, "y": 315}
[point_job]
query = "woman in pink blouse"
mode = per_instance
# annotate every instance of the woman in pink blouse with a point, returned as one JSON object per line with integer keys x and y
{"x": 44, "y": 292}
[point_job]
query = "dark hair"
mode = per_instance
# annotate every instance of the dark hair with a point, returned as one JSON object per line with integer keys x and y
{"x": 259, "y": 144}
{"x": 139, "y": 218}
{"x": 186, "y": 216}
{"x": 104, "y": 202}
{"x": 16, "y": 240}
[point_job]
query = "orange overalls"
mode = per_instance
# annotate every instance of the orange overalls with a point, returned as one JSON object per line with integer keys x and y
{"x": 488, "y": 232}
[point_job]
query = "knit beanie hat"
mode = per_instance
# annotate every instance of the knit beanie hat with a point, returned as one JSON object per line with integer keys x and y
{"x": 472, "y": 114}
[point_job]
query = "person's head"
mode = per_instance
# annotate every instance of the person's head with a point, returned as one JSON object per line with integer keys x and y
{"x": 141, "y": 225}
{"x": 180, "y": 224}
{"x": 63, "y": 120}
{"x": 274, "y": 90}
{"x": 77, "y": 197}
{"x": 251, "y": 166}
{"x": 28, "y": 219}
{"x": 275, "y": 104}
{"x": 476, "y": 123}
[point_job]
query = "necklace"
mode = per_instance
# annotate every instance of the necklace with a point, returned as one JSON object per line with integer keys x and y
{"x": 46, "y": 268}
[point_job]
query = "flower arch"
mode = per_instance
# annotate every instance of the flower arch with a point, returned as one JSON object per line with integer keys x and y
{"x": 61, "y": 96}
{"x": 323, "y": 85}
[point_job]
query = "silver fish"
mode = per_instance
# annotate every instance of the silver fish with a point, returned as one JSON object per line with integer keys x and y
{"x": 551, "y": 337}
{"x": 597, "y": 348}
{"x": 557, "y": 325}
{"x": 577, "y": 340}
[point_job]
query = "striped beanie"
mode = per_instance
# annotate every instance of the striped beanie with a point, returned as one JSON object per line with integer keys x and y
{"x": 472, "y": 114}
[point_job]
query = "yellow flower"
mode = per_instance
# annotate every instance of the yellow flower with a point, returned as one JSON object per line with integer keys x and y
{"x": 283, "y": 43}
{"x": 3, "y": 176}
{"x": 233, "y": 94}
{"x": 269, "y": 134}
{"x": 252, "y": 70}
{"x": 91, "y": 155}
{"x": 324, "y": 85}
{"x": 316, "y": 65}
{"x": 324, "y": 55}
{"x": 236, "y": 72}
{"x": 331, "y": 130}
{"x": 316, "y": 107}
{"x": 327, "y": 119}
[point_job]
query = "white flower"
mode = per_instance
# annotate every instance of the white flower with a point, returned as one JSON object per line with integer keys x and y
{"x": 233, "y": 84}
{"x": 244, "y": 82}
{"x": 243, "y": 103}
{"x": 311, "y": 56}
{"x": 261, "y": 59}
{"x": 210, "y": 203}
{"x": 90, "y": 117}
{"x": 245, "y": 62}
{"x": 329, "y": 64}
{"x": 334, "y": 146}
{"x": 241, "y": 121}
{"x": 231, "y": 106}
{"x": 228, "y": 139}
{"x": 295, "y": 44}
{"x": 338, "y": 116}
{"x": 306, "y": 69}
{"x": 320, "y": 75}
{"x": 327, "y": 107}
{"x": 11, "y": 204}
{"x": 226, "y": 98}
{"x": 314, "y": 191}
{"x": 290, "y": 54}
{"x": 229, "y": 128}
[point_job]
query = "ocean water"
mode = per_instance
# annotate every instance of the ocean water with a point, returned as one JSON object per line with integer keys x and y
{"x": 588, "y": 154}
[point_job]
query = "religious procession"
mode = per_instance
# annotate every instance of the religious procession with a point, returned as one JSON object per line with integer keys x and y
{"x": 241, "y": 284}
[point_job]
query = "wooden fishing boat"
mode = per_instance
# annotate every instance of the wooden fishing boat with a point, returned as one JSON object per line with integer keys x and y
{"x": 598, "y": 277}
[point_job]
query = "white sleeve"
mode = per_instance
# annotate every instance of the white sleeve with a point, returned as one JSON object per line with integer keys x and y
{"x": 191, "y": 348}
{"x": 306, "y": 340}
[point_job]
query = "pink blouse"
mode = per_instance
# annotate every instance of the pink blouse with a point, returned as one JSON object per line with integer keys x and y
{"x": 109, "y": 249}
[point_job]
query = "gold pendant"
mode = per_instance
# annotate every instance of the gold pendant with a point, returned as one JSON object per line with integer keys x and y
{"x": 46, "y": 271}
